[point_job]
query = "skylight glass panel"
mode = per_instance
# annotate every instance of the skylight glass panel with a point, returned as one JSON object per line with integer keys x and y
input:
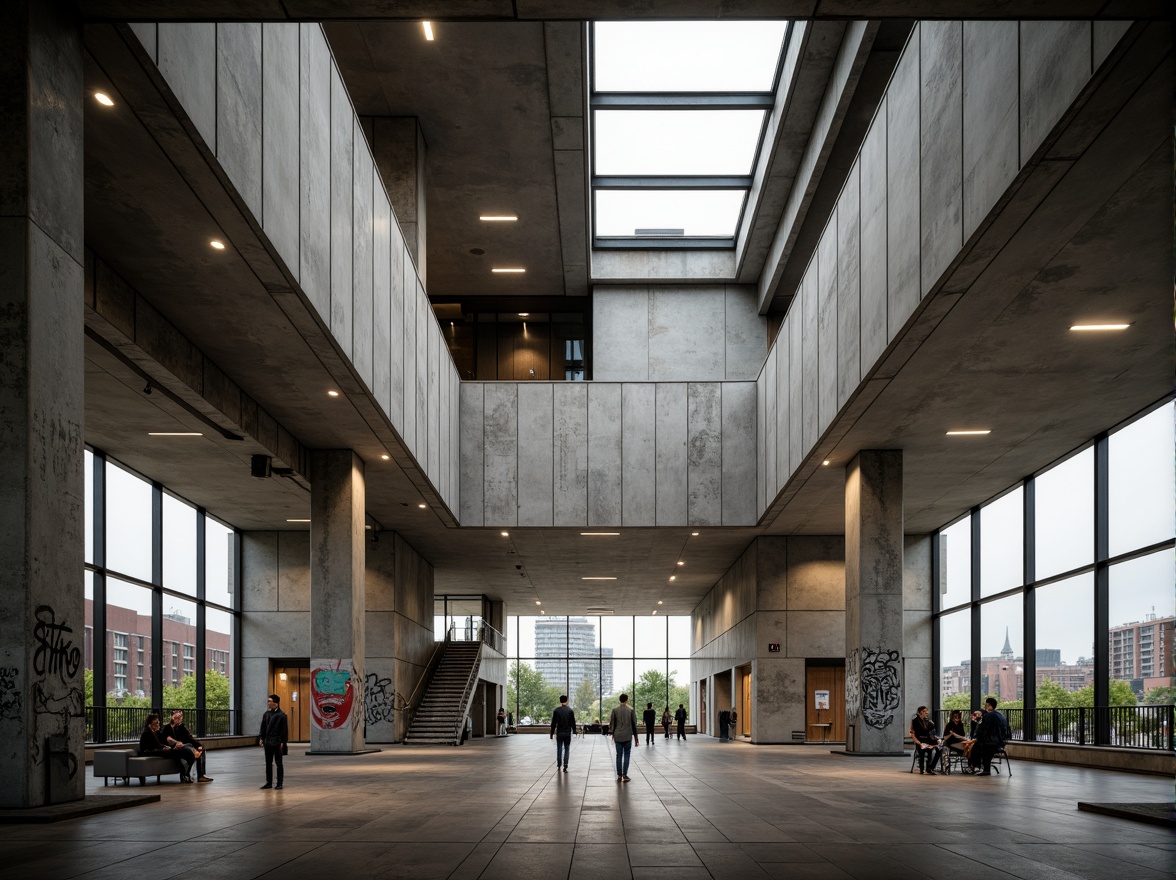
{"x": 687, "y": 56}
{"x": 655, "y": 213}
{"x": 631, "y": 142}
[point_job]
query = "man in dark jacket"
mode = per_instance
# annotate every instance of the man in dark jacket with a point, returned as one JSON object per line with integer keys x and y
{"x": 680, "y": 717}
{"x": 991, "y": 734}
{"x": 273, "y": 737}
{"x": 181, "y": 738}
{"x": 649, "y": 716}
{"x": 563, "y": 726}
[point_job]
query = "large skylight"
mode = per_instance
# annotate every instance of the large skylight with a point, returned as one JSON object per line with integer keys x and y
{"x": 678, "y": 112}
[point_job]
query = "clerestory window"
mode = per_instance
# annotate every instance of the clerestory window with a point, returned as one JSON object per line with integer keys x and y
{"x": 679, "y": 111}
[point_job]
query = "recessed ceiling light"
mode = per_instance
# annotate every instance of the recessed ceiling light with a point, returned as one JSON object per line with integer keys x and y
{"x": 217, "y": 245}
{"x": 508, "y": 269}
{"x": 978, "y": 433}
{"x": 332, "y": 394}
{"x": 524, "y": 314}
{"x": 825, "y": 463}
{"x": 655, "y": 611}
{"x": 598, "y": 578}
{"x": 659, "y": 601}
{"x": 103, "y": 99}
{"x": 694, "y": 534}
{"x": 386, "y": 457}
{"x": 297, "y": 520}
{"x": 680, "y": 562}
{"x": 498, "y": 218}
{"x": 1100, "y": 326}
{"x": 537, "y": 602}
{"x": 597, "y": 534}
{"x": 673, "y": 577}
{"x": 541, "y": 611}
{"x": 422, "y": 505}
{"x": 174, "y": 434}
{"x": 428, "y": 27}
{"x": 505, "y": 534}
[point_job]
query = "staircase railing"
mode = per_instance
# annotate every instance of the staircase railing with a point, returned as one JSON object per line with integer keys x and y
{"x": 467, "y": 696}
{"x": 418, "y": 692}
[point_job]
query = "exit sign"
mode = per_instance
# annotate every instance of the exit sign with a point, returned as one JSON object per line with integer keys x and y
{"x": 773, "y": 647}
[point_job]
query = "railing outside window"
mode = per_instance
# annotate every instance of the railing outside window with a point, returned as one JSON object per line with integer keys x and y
{"x": 118, "y": 724}
{"x": 1131, "y": 727}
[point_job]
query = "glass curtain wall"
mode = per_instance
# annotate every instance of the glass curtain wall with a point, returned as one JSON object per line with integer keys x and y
{"x": 594, "y": 660}
{"x": 161, "y": 606}
{"x": 1059, "y": 594}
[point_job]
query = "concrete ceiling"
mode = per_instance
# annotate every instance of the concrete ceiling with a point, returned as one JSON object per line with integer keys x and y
{"x": 1096, "y": 244}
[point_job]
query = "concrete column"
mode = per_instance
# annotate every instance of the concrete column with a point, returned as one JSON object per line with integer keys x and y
{"x": 398, "y": 147}
{"x": 42, "y": 629}
{"x": 337, "y": 562}
{"x": 875, "y": 719}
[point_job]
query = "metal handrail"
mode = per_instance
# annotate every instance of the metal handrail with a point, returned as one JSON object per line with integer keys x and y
{"x": 468, "y": 695}
{"x": 1144, "y": 726}
{"x": 414, "y": 700}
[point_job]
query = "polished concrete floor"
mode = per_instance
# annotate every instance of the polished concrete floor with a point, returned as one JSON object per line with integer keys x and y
{"x": 496, "y": 808}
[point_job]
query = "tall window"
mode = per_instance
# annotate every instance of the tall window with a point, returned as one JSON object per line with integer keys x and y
{"x": 594, "y": 660}
{"x": 160, "y": 588}
{"x": 679, "y": 111}
{"x": 1089, "y": 538}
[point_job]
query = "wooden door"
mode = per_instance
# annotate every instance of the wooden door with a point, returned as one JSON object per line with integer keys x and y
{"x": 822, "y": 681}
{"x": 292, "y": 684}
{"x": 744, "y": 722}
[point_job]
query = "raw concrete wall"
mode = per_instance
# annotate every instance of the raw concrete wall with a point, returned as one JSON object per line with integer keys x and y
{"x": 969, "y": 106}
{"x": 607, "y": 454}
{"x": 677, "y": 333}
{"x": 398, "y": 621}
{"x": 791, "y": 591}
{"x": 251, "y": 91}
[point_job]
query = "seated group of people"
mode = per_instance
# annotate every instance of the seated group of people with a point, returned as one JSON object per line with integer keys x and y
{"x": 173, "y": 741}
{"x": 988, "y": 734}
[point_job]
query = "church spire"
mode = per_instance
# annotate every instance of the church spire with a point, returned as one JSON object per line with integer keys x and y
{"x": 1007, "y": 650}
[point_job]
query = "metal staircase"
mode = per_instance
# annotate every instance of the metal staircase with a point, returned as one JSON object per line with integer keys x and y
{"x": 441, "y": 715}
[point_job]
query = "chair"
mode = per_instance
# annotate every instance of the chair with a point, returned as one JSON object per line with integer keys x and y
{"x": 954, "y": 760}
{"x": 1001, "y": 759}
{"x": 915, "y": 756}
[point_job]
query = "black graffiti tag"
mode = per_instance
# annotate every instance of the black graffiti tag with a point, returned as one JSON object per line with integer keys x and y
{"x": 55, "y": 652}
{"x": 9, "y": 693}
{"x": 379, "y": 699}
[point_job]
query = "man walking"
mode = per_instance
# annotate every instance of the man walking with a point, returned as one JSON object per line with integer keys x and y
{"x": 680, "y": 717}
{"x": 622, "y": 725}
{"x": 274, "y": 737}
{"x": 649, "y": 716}
{"x": 563, "y": 728}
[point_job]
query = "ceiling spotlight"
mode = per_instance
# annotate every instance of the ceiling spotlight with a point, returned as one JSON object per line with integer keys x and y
{"x": 332, "y": 394}
{"x": 103, "y": 99}
{"x": 386, "y": 457}
{"x": 680, "y": 562}
{"x": 505, "y": 534}
{"x": 524, "y": 314}
{"x": 537, "y": 602}
{"x": 428, "y": 28}
{"x": 694, "y": 534}
{"x": 673, "y": 577}
{"x": 659, "y": 601}
{"x": 217, "y": 244}
{"x": 825, "y": 463}
{"x": 422, "y": 505}
{"x": 498, "y": 218}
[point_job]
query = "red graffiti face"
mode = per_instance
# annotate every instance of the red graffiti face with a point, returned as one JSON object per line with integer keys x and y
{"x": 331, "y": 697}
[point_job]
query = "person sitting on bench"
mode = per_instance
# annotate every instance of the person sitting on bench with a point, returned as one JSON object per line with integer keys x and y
{"x": 152, "y": 743}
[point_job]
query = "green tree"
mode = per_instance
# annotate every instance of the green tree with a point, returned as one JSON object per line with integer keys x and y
{"x": 1121, "y": 695}
{"x": 963, "y": 702}
{"x": 529, "y": 695}
{"x": 584, "y": 700}
{"x": 1161, "y": 696}
{"x": 88, "y": 686}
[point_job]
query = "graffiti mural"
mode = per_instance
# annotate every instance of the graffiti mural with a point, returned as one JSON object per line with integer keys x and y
{"x": 853, "y": 688}
{"x": 332, "y": 694}
{"x": 9, "y": 693}
{"x": 55, "y": 650}
{"x": 70, "y": 706}
{"x": 379, "y": 699}
{"x": 881, "y": 689}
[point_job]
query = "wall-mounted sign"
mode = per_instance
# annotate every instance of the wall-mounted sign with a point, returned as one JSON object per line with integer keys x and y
{"x": 773, "y": 647}
{"x": 821, "y": 698}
